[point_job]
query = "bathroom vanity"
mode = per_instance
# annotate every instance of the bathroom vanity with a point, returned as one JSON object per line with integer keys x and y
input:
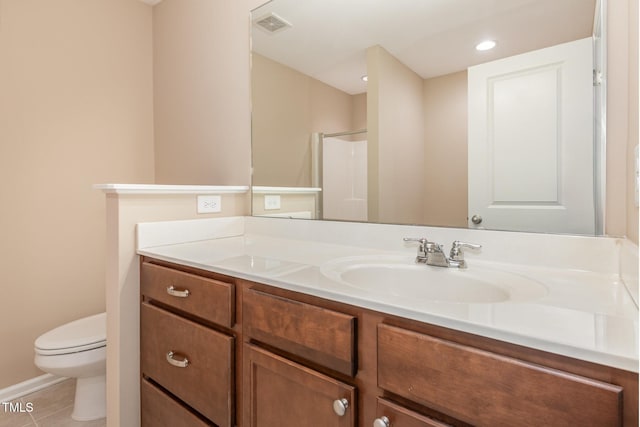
{"x": 266, "y": 328}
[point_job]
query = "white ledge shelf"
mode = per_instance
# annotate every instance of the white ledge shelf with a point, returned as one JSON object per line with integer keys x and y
{"x": 170, "y": 189}
{"x": 291, "y": 190}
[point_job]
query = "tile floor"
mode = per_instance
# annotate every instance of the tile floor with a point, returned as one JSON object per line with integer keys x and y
{"x": 52, "y": 407}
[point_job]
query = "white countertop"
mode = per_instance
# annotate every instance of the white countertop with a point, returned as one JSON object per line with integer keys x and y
{"x": 584, "y": 314}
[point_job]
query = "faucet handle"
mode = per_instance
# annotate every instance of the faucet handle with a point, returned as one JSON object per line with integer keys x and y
{"x": 425, "y": 245}
{"x": 422, "y": 240}
{"x": 457, "y": 246}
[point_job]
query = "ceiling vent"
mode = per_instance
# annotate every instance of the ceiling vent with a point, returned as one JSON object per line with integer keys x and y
{"x": 271, "y": 23}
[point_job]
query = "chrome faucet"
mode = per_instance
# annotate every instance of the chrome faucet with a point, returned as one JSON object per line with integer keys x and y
{"x": 431, "y": 253}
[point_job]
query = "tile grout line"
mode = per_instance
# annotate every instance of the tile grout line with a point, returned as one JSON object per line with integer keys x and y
{"x": 55, "y": 413}
{"x": 58, "y": 414}
{"x": 34, "y": 422}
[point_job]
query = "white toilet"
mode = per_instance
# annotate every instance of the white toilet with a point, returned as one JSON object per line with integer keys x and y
{"x": 78, "y": 349}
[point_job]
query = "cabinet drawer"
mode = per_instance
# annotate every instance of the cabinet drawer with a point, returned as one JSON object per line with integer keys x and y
{"x": 282, "y": 393}
{"x": 319, "y": 335}
{"x": 209, "y": 299}
{"x": 160, "y": 410}
{"x": 206, "y": 382}
{"x": 399, "y": 416}
{"x": 488, "y": 389}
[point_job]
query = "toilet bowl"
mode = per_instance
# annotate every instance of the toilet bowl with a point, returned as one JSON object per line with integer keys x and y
{"x": 78, "y": 350}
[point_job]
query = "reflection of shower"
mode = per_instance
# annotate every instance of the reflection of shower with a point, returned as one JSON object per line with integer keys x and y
{"x": 339, "y": 167}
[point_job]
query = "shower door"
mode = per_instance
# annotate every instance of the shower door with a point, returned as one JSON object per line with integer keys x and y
{"x": 344, "y": 179}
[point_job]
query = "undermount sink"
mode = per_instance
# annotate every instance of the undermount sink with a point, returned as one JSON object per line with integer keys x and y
{"x": 399, "y": 276}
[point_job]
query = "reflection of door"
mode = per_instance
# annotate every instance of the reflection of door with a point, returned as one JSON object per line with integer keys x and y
{"x": 531, "y": 141}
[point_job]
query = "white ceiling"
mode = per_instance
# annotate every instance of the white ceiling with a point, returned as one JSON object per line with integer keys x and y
{"x": 329, "y": 38}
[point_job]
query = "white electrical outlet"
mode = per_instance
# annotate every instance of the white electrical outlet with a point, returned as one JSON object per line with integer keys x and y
{"x": 209, "y": 204}
{"x": 271, "y": 202}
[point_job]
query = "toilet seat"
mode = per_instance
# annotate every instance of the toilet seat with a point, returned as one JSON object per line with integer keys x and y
{"x": 84, "y": 334}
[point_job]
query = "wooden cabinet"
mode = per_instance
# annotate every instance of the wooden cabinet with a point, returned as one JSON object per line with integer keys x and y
{"x": 488, "y": 389}
{"x": 186, "y": 363}
{"x": 282, "y": 393}
{"x": 260, "y": 356}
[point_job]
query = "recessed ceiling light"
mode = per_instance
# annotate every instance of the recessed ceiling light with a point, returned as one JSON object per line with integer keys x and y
{"x": 364, "y": 78}
{"x": 486, "y": 45}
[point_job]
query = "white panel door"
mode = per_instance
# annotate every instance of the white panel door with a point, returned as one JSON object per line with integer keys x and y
{"x": 531, "y": 141}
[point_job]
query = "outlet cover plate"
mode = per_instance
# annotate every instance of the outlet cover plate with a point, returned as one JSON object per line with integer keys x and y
{"x": 271, "y": 202}
{"x": 209, "y": 204}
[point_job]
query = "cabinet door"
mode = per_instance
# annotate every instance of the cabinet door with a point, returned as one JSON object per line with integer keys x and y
{"x": 281, "y": 393}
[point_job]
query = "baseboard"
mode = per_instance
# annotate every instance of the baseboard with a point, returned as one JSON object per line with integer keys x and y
{"x": 29, "y": 386}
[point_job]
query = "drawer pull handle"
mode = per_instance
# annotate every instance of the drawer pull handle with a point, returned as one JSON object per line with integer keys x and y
{"x": 175, "y": 362}
{"x": 176, "y": 293}
{"x": 382, "y": 422}
{"x": 340, "y": 407}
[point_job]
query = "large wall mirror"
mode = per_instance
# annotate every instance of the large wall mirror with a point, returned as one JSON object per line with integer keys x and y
{"x": 390, "y": 112}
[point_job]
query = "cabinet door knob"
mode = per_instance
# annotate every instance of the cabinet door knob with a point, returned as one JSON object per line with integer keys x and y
{"x": 382, "y": 422}
{"x": 476, "y": 219}
{"x": 340, "y": 407}
{"x": 177, "y": 293}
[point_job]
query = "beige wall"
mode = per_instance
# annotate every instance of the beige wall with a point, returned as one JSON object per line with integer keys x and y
{"x": 201, "y": 92}
{"x": 287, "y": 107}
{"x": 395, "y": 125}
{"x": 75, "y": 110}
{"x": 622, "y": 117}
{"x": 445, "y": 162}
{"x": 359, "y": 118}
{"x": 632, "y": 209}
